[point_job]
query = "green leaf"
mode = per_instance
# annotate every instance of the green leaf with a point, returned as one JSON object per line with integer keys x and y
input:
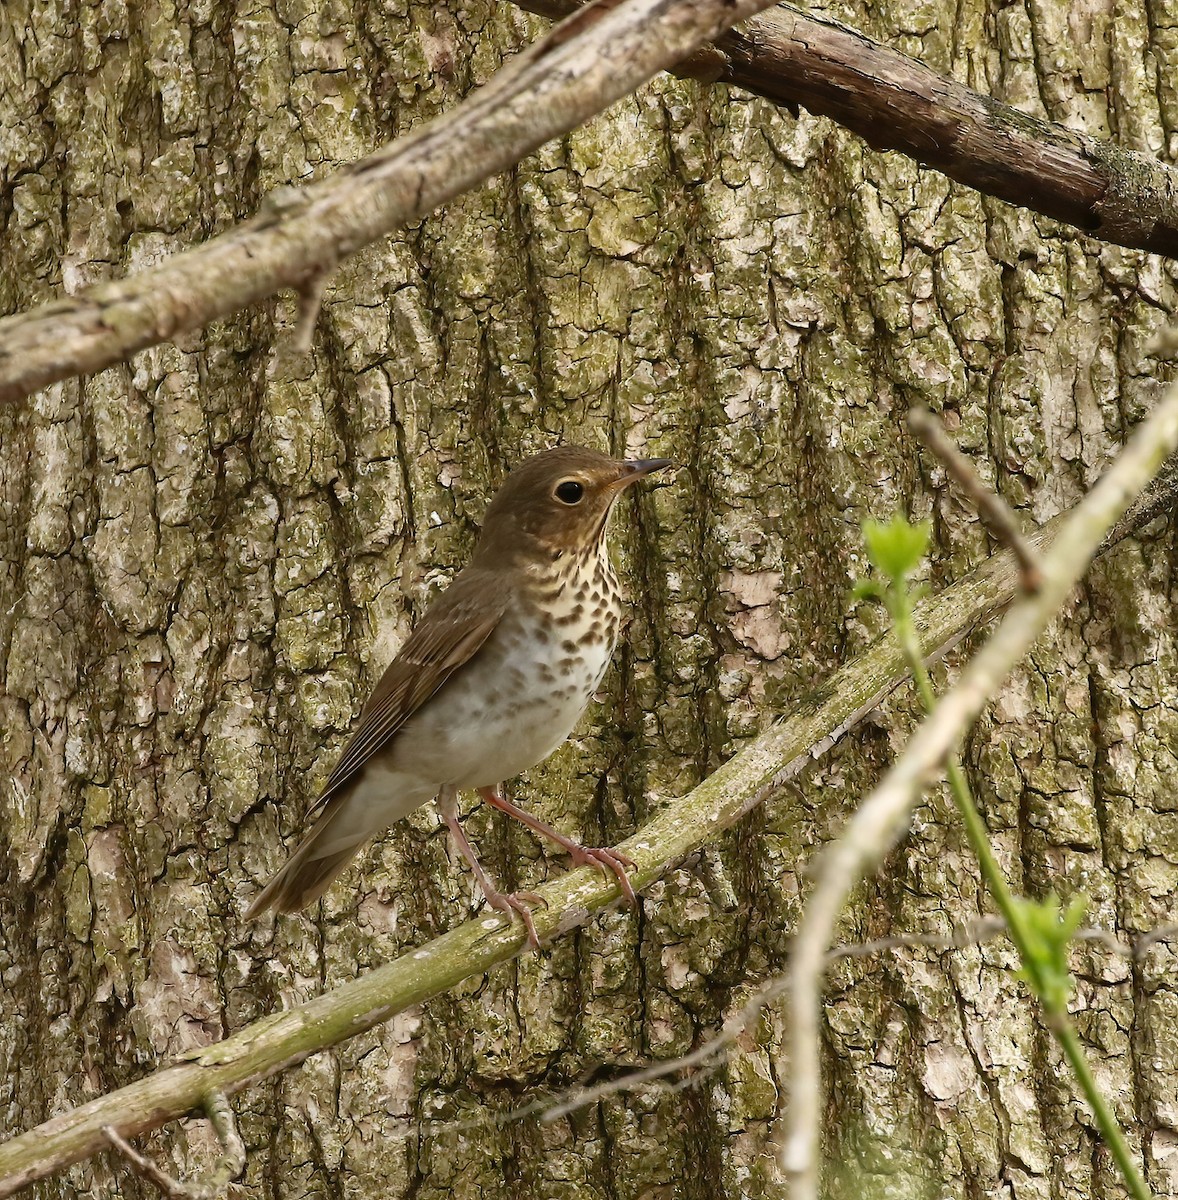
{"x": 896, "y": 547}
{"x": 1048, "y": 930}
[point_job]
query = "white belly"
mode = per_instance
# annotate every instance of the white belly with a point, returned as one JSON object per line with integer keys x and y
{"x": 534, "y": 689}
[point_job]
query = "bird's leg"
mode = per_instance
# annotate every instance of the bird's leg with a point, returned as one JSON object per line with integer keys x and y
{"x": 608, "y": 860}
{"x": 504, "y": 902}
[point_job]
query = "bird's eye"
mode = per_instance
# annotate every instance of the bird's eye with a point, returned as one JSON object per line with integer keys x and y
{"x": 569, "y": 491}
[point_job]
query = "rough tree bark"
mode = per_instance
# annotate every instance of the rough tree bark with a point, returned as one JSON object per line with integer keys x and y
{"x": 210, "y": 554}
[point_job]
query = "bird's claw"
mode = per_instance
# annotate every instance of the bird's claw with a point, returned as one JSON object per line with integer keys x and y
{"x": 608, "y": 860}
{"x": 521, "y": 903}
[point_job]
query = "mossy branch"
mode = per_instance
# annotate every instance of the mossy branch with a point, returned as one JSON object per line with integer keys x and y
{"x": 284, "y": 1040}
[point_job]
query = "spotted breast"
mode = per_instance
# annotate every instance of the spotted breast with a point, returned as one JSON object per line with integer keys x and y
{"x": 538, "y": 671}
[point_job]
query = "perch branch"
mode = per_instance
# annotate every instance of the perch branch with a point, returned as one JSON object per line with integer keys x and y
{"x": 897, "y": 103}
{"x": 883, "y": 817}
{"x": 300, "y": 234}
{"x": 284, "y": 1040}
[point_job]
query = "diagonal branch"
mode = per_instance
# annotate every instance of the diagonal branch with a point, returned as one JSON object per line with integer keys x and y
{"x": 883, "y": 817}
{"x": 781, "y": 753}
{"x": 895, "y": 102}
{"x": 994, "y": 512}
{"x": 302, "y": 234}
{"x": 892, "y": 101}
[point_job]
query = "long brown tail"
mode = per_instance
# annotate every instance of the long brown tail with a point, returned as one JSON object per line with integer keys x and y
{"x": 306, "y": 876}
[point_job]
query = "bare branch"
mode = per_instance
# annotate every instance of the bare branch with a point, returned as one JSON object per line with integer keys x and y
{"x": 301, "y": 234}
{"x": 883, "y": 817}
{"x": 895, "y": 102}
{"x": 993, "y": 510}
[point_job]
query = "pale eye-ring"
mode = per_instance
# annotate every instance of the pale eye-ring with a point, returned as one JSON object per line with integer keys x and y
{"x": 569, "y": 491}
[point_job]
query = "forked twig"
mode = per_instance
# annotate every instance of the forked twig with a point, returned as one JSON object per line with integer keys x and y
{"x": 226, "y": 1169}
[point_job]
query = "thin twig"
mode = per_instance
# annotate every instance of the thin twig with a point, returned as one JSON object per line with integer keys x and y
{"x": 993, "y": 510}
{"x": 714, "y": 1051}
{"x": 310, "y": 297}
{"x": 144, "y": 1167}
{"x": 228, "y": 1166}
{"x": 706, "y": 1058}
{"x": 971, "y": 934}
{"x": 883, "y": 817}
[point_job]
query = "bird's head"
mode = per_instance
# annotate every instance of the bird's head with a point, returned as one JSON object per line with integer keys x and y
{"x": 557, "y": 503}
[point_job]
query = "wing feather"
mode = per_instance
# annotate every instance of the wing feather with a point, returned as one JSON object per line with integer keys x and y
{"x": 450, "y": 634}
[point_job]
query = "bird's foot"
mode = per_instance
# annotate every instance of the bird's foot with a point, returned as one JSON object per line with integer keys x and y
{"x": 607, "y": 860}
{"x": 521, "y": 903}
{"x": 582, "y": 856}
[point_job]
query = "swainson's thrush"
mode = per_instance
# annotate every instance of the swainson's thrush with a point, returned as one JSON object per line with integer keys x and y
{"x": 490, "y": 682}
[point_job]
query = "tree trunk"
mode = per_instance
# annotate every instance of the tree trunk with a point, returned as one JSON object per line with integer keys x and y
{"x": 210, "y": 554}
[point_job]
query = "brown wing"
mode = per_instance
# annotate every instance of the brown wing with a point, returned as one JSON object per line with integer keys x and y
{"x": 452, "y": 631}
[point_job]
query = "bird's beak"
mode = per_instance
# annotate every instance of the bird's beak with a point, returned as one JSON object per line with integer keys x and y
{"x": 640, "y": 468}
